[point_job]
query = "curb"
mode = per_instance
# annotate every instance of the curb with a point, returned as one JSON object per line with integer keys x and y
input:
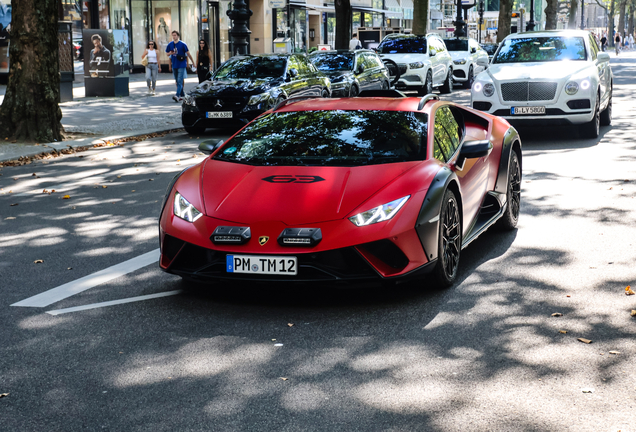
{"x": 55, "y": 148}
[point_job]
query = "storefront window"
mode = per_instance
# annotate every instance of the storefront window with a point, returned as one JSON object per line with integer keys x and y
{"x": 190, "y": 25}
{"x": 300, "y": 30}
{"x": 165, "y": 18}
{"x": 224, "y": 31}
{"x": 140, "y": 30}
{"x": 281, "y": 23}
{"x": 103, "y": 14}
{"x": 357, "y": 17}
{"x": 331, "y": 29}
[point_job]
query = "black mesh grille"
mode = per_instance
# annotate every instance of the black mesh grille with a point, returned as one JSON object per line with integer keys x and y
{"x": 579, "y": 104}
{"x": 403, "y": 68}
{"x": 528, "y": 91}
{"x": 482, "y": 106}
{"x": 388, "y": 252}
{"x": 459, "y": 73}
{"x": 221, "y": 103}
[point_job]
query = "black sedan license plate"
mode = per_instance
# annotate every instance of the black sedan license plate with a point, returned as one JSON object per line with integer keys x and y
{"x": 532, "y": 110}
{"x": 219, "y": 114}
{"x": 260, "y": 264}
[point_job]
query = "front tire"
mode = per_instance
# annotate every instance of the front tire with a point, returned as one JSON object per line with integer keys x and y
{"x": 428, "y": 85}
{"x": 470, "y": 79}
{"x": 449, "y": 241}
{"x": 194, "y": 130}
{"x": 325, "y": 93}
{"x": 606, "y": 114}
{"x": 353, "y": 92}
{"x": 592, "y": 129}
{"x": 447, "y": 87}
{"x": 513, "y": 196}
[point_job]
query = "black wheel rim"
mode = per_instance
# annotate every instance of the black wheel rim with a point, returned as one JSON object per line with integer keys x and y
{"x": 609, "y": 108}
{"x": 325, "y": 94}
{"x": 451, "y": 239}
{"x": 471, "y": 77}
{"x": 514, "y": 188}
{"x": 597, "y": 118}
{"x": 354, "y": 91}
{"x": 450, "y": 81}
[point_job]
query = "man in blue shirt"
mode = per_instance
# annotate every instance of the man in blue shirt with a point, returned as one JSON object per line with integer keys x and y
{"x": 179, "y": 54}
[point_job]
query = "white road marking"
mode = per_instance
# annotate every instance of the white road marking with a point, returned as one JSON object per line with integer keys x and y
{"x": 114, "y": 302}
{"x": 70, "y": 289}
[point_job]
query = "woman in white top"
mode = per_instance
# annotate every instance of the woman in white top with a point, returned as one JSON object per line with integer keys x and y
{"x": 152, "y": 68}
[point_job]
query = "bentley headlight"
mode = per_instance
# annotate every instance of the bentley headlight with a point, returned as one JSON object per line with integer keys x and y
{"x": 190, "y": 100}
{"x": 460, "y": 61}
{"x": 184, "y": 210}
{"x": 380, "y": 213}
{"x": 416, "y": 65}
{"x": 571, "y": 88}
{"x": 489, "y": 89}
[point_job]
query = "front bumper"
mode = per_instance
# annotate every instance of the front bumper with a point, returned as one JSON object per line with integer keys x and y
{"x": 555, "y": 114}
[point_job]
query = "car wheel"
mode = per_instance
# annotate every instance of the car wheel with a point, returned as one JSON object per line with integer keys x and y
{"x": 447, "y": 87}
{"x": 449, "y": 241}
{"x": 428, "y": 85}
{"x": 325, "y": 93}
{"x": 470, "y": 79}
{"x": 592, "y": 129}
{"x": 354, "y": 91}
{"x": 606, "y": 114}
{"x": 513, "y": 197}
{"x": 194, "y": 130}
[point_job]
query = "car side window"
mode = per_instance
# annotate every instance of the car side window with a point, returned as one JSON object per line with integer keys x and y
{"x": 439, "y": 45}
{"x": 593, "y": 47}
{"x": 303, "y": 67}
{"x": 445, "y": 134}
{"x": 368, "y": 61}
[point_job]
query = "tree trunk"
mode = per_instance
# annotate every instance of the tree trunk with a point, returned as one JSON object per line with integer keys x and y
{"x": 630, "y": 22}
{"x": 621, "y": 18}
{"x": 551, "y": 8}
{"x": 505, "y": 11}
{"x": 574, "y": 6}
{"x": 30, "y": 110}
{"x": 420, "y": 17}
{"x": 343, "y": 23}
{"x": 610, "y": 34}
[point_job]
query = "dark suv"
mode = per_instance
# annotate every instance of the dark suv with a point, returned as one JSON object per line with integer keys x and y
{"x": 246, "y": 86}
{"x": 351, "y": 72}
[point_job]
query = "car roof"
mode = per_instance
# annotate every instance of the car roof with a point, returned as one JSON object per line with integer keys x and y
{"x": 409, "y": 35}
{"x": 548, "y": 33}
{"x": 356, "y": 103}
{"x": 343, "y": 51}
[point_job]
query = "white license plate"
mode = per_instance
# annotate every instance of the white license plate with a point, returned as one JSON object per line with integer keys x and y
{"x": 260, "y": 264}
{"x": 527, "y": 110}
{"x": 219, "y": 114}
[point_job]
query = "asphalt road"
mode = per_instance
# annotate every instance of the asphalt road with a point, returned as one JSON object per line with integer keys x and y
{"x": 484, "y": 355}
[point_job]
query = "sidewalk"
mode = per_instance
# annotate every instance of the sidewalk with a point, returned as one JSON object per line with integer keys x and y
{"x": 97, "y": 119}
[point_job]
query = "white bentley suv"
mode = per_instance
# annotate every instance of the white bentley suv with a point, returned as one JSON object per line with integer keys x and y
{"x": 424, "y": 62}
{"x": 555, "y": 77}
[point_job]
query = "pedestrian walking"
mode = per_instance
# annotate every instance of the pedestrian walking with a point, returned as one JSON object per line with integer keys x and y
{"x": 179, "y": 55}
{"x": 603, "y": 42}
{"x": 631, "y": 41}
{"x": 151, "y": 56}
{"x": 354, "y": 43}
{"x": 617, "y": 43}
{"x": 204, "y": 59}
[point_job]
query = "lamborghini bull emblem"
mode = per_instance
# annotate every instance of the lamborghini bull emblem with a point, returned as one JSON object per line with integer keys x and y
{"x": 262, "y": 240}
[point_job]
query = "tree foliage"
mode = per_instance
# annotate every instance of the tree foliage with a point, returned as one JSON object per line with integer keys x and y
{"x": 30, "y": 110}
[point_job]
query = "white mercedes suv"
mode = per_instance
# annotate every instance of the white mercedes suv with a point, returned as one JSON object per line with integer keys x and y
{"x": 554, "y": 77}
{"x": 424, "y": 62}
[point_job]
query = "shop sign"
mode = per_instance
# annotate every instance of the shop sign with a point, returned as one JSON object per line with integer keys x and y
{"x": 468, "y": 3}
{"x": 277, "y": 4}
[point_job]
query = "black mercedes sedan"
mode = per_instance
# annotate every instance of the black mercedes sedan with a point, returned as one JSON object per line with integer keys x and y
{"x": 351, "y": 72}
{"x": 246, "y": 86}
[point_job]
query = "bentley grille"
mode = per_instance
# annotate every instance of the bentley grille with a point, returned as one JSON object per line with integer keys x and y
{"x": 528, "y": 91}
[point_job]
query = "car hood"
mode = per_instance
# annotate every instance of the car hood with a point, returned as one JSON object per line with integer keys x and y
{"x": 405, "y": 58}
{"x": 337, "y": 76}
{"x": 553, "y": 71}
{"x": 458, "y": 55}
{"x": 235, "y": 87}
{"x": 294, "y": 195}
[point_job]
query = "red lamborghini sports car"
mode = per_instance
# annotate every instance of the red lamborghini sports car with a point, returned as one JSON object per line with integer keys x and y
{"x": 344, "y": 191}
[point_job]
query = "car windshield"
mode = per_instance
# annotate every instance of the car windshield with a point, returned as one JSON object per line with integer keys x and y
{"x": 252, "y": 67}
{"x": 333, "y": 62}
{"x": 402, "y": 45}
{"x": 330, "y": 138}
{"x": 490, "y": 48}
{"x": 456, "y": 44}
{"x": 541, "y": 49}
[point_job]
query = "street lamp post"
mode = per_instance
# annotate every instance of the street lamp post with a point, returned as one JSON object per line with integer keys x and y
{"x": 459, "y": 22}
{"x": 240, "y": 16}
{"x": 480, "y": 9}
{"x": 582, "y": 15}
{"x": 531, "y": 22}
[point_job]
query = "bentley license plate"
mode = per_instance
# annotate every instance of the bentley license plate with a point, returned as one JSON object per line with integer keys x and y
{"x": 259, "y": 264}
{"x": 219, "y": 114}
{"x": 527, "y": 110}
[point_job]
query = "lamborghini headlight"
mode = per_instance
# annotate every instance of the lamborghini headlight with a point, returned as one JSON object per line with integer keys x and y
{"x": 184, "y": 210}
{"x": 380, "y": 213}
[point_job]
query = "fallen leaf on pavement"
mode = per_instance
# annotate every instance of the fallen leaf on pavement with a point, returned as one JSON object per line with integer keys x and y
{"x": 633, "y": 312}
{"x": 557, "y": 314}
{"x": 629, "y": 291}
{"x": 14, "y": 204}
{"x": 66, "y": 197}
{"x": 587, "y": 390}
{"x": 4, "y": 395}
{"x": 151, "y": 179}
{"x": 563, "y": 331}
{"x": 38, "y": 261}
{"x": 70, "y": 268}
{"x": 104, "y": 186}
{"x": 118, "y": 176}
{"x": 615, "y": 352}
{"x": 9, "y": 218}
{"x": 290, "y": 324}
{"x": 195, "y": 156}
{"x": 284, "y": 379}
{"x": 178, "y": 160}
{"x": 34, "y": 175}
{"x": 587, "y": 341}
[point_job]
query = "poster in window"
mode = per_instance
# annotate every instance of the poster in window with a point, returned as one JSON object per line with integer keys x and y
{"x": 98, "y": 61}
{"x": 163, "y": 22}
{"x": 5, "y": 27}
{"x": 121, "y": 52}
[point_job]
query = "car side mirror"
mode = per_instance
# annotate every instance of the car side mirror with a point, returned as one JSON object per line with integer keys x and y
{"x": 473, "y": 150}
{"x": 432, "y": 53}
{"x": 360, "y": 69}
{"x": 473, "y": 50}
{"x": 603, "y": 56}
{"x": 209, "y": 146}
{"x": 293, "y": 72}
{"x": 483, "y": 61}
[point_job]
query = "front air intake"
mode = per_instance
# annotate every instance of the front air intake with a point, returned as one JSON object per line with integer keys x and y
{"x": 231, "y": 235}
